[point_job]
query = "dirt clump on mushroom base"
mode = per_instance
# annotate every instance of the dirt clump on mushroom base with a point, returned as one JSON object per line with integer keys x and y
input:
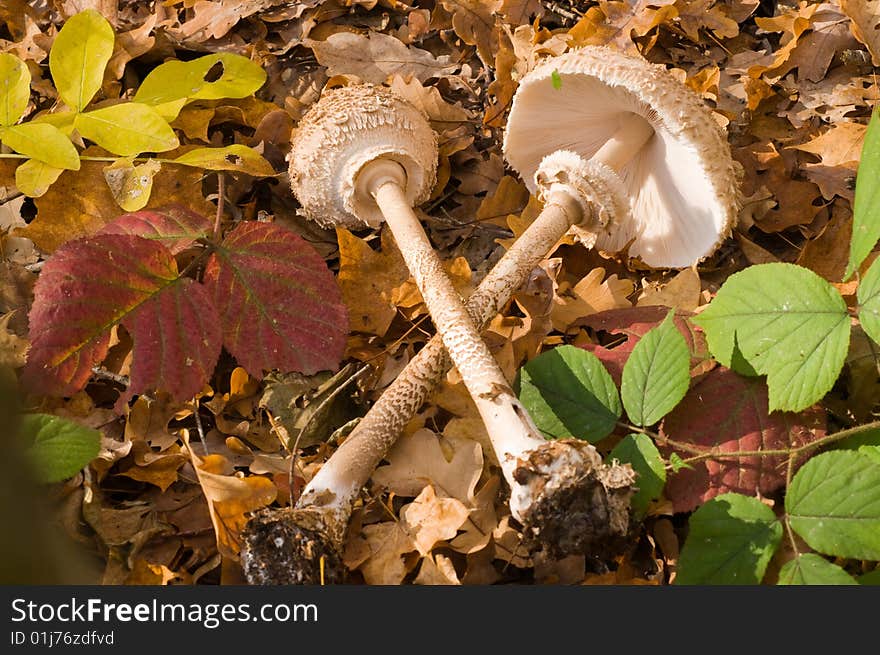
{"x": 580, "y": 505}
{"x": 287, "y": 547}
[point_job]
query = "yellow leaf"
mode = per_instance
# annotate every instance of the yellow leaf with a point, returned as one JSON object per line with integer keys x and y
{"x": 236, "y": 158}
{"x": 127, "y": 129}
{"x": 79, "y": 55}
{"x": 131, "y": 184}
{"x": 43, "y": 142}
{"x": 34, "y": 178}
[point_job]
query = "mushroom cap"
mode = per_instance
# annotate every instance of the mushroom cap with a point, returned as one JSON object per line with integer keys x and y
{"x": 682, "y": 184}
{"x": 341, "y": 133}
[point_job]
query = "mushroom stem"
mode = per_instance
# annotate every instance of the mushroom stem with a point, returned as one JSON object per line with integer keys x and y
{"x": 632, "y": 133}
{"x": 510, "y": 428}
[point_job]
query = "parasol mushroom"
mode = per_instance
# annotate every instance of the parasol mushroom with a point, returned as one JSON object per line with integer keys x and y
{"x": 671, "y": 155}
{"x": 575, "y": 191}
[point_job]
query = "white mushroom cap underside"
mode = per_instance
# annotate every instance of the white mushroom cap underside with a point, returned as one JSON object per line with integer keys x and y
{"x": 682, "y": 185}
{"x": 346, "y": 129}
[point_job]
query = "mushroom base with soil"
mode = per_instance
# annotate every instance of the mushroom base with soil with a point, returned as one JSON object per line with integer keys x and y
{"x": 575, "y": 503}
{"x": 293, "y": 546}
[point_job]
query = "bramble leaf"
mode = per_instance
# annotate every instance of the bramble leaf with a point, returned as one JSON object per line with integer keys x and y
{"x": 834, "y": 504}
{"x": 43, "y": 142}
{"x": 174, "y": 226}
{"x": 57, "y": 447}
{"x": 787, "y": 323}
{"x": 33, "y": 177}
{"x": 812, "y": 569}
{"x": 15, "y": 88}
{"x": 656, "y": 375}
{"x": 91, "y": 284}
{"x": 640, "y": 452}
{"x": 866, "y": 207}
{"x": 79, "y": 56}
{"x": 731, "y": 540}
{"x": 869, "y": 301}
{"x": 569, "y": 393}
{"x": 127, "y": 129}
{"x": 237, "y": 158}
{"x": 279, "y": 305}
{"x": 728, "y": 412}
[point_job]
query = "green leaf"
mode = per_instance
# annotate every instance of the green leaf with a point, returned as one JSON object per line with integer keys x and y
{"x": 131, "y": 184}
{"x": 788, "y": 323}
{"x": 127, "y": 129}
{"x": 731, "y": 540}
{"x": 15, "y": 88}
{"x": 869, "y": 301}
{"x": 834, "y": 504}
{"x": 237, "y": 158}
{"x": 677, "y": 463}
{"x": 872, "y": 578}
{"x": 866, "y": 208}
{"x": 79, "y": 56}
{"x": 867, "y": 443}
{"x": 639, "y": 451}
{"x": 43, "y": 142}
{"x": 223, "y": 75}
{"x": 656, "y": 374}
{"x": 811, "y": 569}
{"x": 568, "y": 393}
{"x": 33, "y": 178}
{"x": 57, "y": 447}
{"x": 556, "y": 80}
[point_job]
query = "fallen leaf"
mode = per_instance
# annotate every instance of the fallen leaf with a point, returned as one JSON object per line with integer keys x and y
{"x": 474, "y": 22}
{"x": 377, "y": 552}
{"x": 13, "y": 349}
{"x": 375, "y": 57}
{"x": 863, "y": 16}
{"x": 367, "y": 279}
{"x": 418, "y": 460}
{"x": 437, "y": 569}
{"x": 230, "y": 498}
{"x": 839, "y": 145}
{"x": 430, "y": 519}
{"x": 681, "y": 292}
{"x": 592, "y": 294}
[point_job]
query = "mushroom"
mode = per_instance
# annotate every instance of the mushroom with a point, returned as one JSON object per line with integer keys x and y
{"x": 671, "y": 155}
{"x": 557, "y": 488}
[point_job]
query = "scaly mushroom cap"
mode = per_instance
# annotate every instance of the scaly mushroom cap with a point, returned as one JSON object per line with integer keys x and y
{"x": 346, "y": 129}
{"x": 682, "y": 183}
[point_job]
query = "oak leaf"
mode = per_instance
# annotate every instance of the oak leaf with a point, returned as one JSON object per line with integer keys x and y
{"x": 474, "y": 22}
{"x": 419, "y": 460}
{"x": 430, "y": 519}
{"x": 863, "y": 16}
{"x": 375, "y": 57}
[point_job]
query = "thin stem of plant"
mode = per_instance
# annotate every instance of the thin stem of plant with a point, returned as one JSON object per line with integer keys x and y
{"x": 221, "y": 199}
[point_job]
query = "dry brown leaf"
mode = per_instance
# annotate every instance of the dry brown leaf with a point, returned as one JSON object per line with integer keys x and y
{"x": 863, "y": 16}
{"x": 159, "y": 469}
{"x": 827, "y": 254}
{"x": 376, "y": 57}
{"x": 509, "y": 197}
{"x": 378, "y": 553}
{"x": 474, "y": 22}
{"x": 430, "y": 519}
{"x": 13, "y": 348}
{"x": 681, "y": 292}
{"x": 230, "y": 498}
{"x": 840, "y": 145}
{"x": 368, "y": 279}
{"x": 437, "y": 570}
{"x": 442, "y": 115}
{"x": 419, "y": 460}
{"x": 591, "y": 294}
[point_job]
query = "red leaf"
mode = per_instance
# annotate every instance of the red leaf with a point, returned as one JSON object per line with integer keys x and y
{"x": 727, "y": 411}
{"x": 88, "y": 286}
{"x": 174, "y": 226}
{"x": 177, "y": 341}
{"x": 635, "y": 323}
{"x": 279, "y": 305}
